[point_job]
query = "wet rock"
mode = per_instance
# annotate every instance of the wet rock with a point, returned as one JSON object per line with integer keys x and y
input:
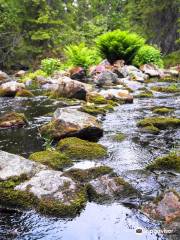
{"x": 56, "y": 194}
{"x": 24, "y": 93}
{"x": 20, "y": 73}
{"x": 76, "y": 148}
{"x": 96, "y": 98}
{"x": 162, "y": 110}
{"x": 77, "y": 73}
{"x": 12, "y": 165}
{"x": 117, "y": 94}
{"x": 10, "y": 89}
{"x": 145, "y": 94}
{"x": 12, "y": 119}
{"x": 119, "y": 137}
{"x": 68, "y": 122}
{"x": 96, "y": 110}
{"x": 151, "y": 70}
{"x": 52, "y": 158}
{"x": 165, "y": 207}
{"x": 3, "y": 77}
{"x": 106, "y": 78}
{"x": 134, "y": 73}
{"x": 159, "y": 122}
{"x": 107, "y": 187}
{"x": 133, "y": 85}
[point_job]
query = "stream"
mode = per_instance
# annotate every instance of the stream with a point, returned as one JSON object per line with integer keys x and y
{"x": 112, "y": 221}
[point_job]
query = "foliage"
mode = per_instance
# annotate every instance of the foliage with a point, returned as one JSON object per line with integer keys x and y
{"x": 50, "y": 65}
{"x": 119, "y": 45}
{"x": 148, "y": 54}
{"x": 172, "y": 59}
{"x": 80, "y": 55}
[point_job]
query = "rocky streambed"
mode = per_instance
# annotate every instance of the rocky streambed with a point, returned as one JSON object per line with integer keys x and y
{"x": 102, "y": 191}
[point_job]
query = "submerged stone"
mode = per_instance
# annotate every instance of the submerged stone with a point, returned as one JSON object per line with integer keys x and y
{"x": 151, "y": 129}
{"x": 12, "y": 119}
{"x": 76, "y": 148}
{"x": 51, "y": 158}
{"x": 167, "y": 162}
{"x": 119, "y": 137}
{"x": 68, "y": 122}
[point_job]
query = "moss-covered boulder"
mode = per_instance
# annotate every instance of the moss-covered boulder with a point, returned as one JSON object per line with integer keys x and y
{"x": 69, "y": 122}
{"x": 24, "y": 93}
{"x": 167, "y": 162}
{"x": 151, "y": 129}
{"x": 162, "y": 110}
{"x": 96, "y": 110}
{"x": 170, "y": 89}
{"x": 51, "y": 158}
{"x": 85, "y": 175}
{"x": 159, "y": 122}
{"x": 12, "y": 119}
{"x": 145, "y": 94}
{"x": 96, "y": 98}
{"x": 119, "y": 137}
{"x": 76, "y": 148}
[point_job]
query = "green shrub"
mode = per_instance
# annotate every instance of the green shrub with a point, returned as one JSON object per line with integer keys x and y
{"x": 49, "y": 65}
{"x": 148, "y": 54}
{"x": 80, "y": 55}
{"x": 119, "y": 45}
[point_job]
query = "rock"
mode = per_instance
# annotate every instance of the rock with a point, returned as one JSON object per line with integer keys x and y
{"x": 9, "y": 89}
{"x": 133, "y": 85}
{"x": 151, "y": 70}
{"x": 117, "y": 94}
{"x": 52, "y": 158}
{"x": 77, "y": 73}
{"x": 159, "y": 122}
{"x": 20, "y": 73}
{"x": 24, "y": 93}
{"x": 171, "y": 72}
{"x": 68, "y": 122}
{"x": 56, "y": 194}
{"x": 71, "y": 88}
{"x": 165, "y": 207}
{"x": 134, "y": 73}
{"x": 15, "y": 166}
{"x": 3, "y": 77}
{"x": 96, "y": 98}
{"x": 107, "y": 186}
{"x": 12, "y": 119}
{"x": 106, "y": 78}
{"x": 97, "y": 110}
{"x": 76, "y": 148}
{"x": 117, "y": 67}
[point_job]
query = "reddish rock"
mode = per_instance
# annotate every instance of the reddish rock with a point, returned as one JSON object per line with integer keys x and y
{"x": 77, "y": 73}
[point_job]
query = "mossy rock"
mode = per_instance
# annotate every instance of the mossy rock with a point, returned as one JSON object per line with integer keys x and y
{"x": 145, "y": 94}
{"x": 169, "y": 79}
{"x": 162, "y": 110}
{"x": 76, "y": 148}
{"x": 96, "y": 99}
{"x": 13, "y": 119}
{"x": 151, "y": 129}
{"x": 24, "y": 93}
{"x": 96, "y": 110}
{"x": 51, "y": 158}
{"x": 168, "y": 162}
{"x": 159, "y": 122}
{"x": 6, "y": 93}
{"x": 119, "y": 137}
{"x": 170, "y": 89}
{"x": 81, "y": 175}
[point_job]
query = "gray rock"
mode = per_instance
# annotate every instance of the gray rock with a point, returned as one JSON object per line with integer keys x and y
{"x": 134, "y": 73}
{"x": 151, "y": 70}
{"x": 106, "y": 78}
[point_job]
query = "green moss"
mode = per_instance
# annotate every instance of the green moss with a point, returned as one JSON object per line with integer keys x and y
{"x": 162, "y": 110}
{"x": 127, "y": 188}
{"x": 96, "y": 99}
{"x": 12, "y": 119}
{"x": 33, "y": 75}
{"x": 170, "y": 89}
{"x": 57, "y": 208}
{"x": 151, "y": 129}
{"x": 50, "y": 130}
{"x": 80, "y": 175}
{"x": 80, "y": 149}
{"x": 53, "y": 159}
{"x": 168, "y": 162}
{"x": 24, "y": 93}
{"x": 119, "y": 137}
{"x": 169, "y": 79}
{"x": 159, "y": 122}
{"x": 95, "y": 110}
{"x": 145, "y": 94}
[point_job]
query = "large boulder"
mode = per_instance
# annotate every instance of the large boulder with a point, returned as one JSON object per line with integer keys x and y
{"x": 106, "y": 78}
{"x": 151, "y": 70}
{"x": 134, "y": 73}
{"x": 12, "y": 119}
{"x": 3, "y": 77}
{"x": 69, "y": 122}
{"x": 67, "y": 87}
{"x": 15, "y": 166}
{"x": 117, "y": 94}
{"x": 9, "y": 89}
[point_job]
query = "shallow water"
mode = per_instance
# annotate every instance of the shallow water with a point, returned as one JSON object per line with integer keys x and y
{"x": 128, "y": 158}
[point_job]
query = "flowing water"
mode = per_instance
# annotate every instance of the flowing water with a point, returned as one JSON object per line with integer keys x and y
{"x": 116, "y": 220}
